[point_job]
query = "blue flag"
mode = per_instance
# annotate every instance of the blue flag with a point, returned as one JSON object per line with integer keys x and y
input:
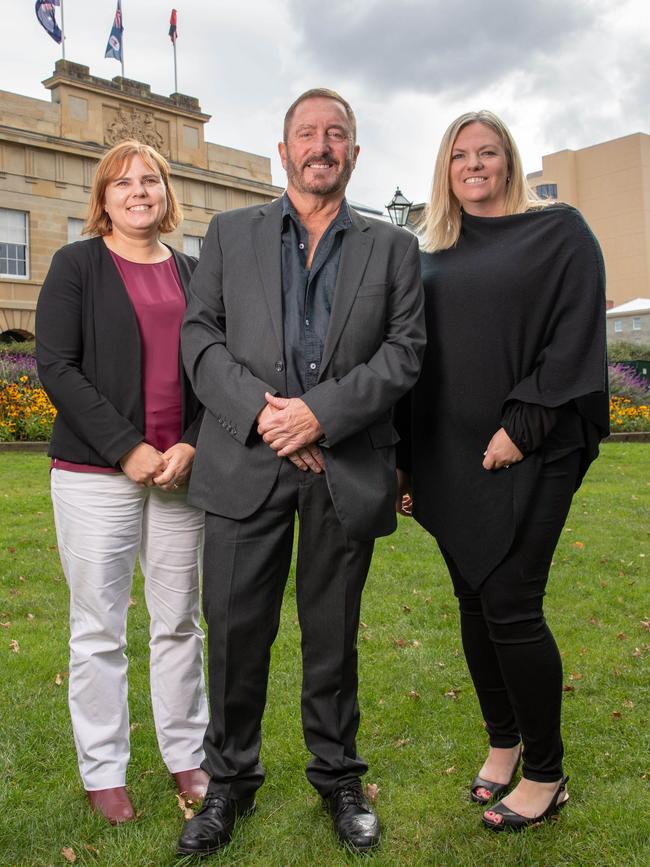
{"x": 114, "y": 44}
{"x": 45, "y": 14}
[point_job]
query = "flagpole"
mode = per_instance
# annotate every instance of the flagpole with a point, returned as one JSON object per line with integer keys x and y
{"x": 62, "y": 32}
{"x": 122, "y": 51}
{"x": 175, "y": 74}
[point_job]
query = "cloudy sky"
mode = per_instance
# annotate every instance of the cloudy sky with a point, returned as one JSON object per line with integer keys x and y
{"x": 561, "y": 73}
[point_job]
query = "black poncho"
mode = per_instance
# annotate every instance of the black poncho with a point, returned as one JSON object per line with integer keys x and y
{"x": 515, "y": 312}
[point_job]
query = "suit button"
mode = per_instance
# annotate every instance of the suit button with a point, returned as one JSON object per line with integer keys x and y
{"x": 279, "y": 366}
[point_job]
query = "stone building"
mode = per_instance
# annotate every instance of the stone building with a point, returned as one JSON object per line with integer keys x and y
{"x": 630, "y": 322}
{"x": 609, "y": 183}
{"x": 48, "y": 154}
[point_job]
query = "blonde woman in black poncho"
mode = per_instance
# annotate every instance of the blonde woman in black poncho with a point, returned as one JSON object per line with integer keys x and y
{"x": 498, "y": 433}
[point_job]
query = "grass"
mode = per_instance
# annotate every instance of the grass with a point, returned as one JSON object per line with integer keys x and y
{"x": 423, "y": 746}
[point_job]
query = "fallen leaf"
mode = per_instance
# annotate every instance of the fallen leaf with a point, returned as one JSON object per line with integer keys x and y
{"x": 69, "y": 854}
{"x": 22, "y": 578}
{"x": 6, "y": 625}
{"x": 186, "y": 810}
{"x": 627, "y": 703}
{"x": 58, "y": 680}
{"x": 15, "y": 647}
{"x": 644, "y": 623}
{"x": 372, "y": 790}
{"x": 406, "y": 609}
{"x": 616, "y": 714}
{"x": 363, "y": 625}
{"x": 621, "y": 636}
{"x": 637, "y": 652}
{"x": 568, "y": 688}
{"x": 134, "y": 726}
{"x": 575, "y": 676}
{"x": 381, "y": 701}
{"x": 594, "y": 621}
{"x": 132, "y": 602}
{"x": 603, "y": 584}
{"x": 92, "y": 849}
{"x": 440, "y": 664}
{"x": 11, "y": 550}
{"x": 579, "y": 545}
{"x": 452, "y": 693}
{"x": 401, "y": 742}
{"x": 414, "y": 694}
{"x": 400, "y": 642}
{"x": 451, "y": 770}
{"x": 416, "y": 643}
{"x": 30, "y": 616}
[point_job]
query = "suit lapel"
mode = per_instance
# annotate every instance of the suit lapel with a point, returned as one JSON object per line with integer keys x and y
{"x": 267, "y": 243}
{"x": 355, "y": 252}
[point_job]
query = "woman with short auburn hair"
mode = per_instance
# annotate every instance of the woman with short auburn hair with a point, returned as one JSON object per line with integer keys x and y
{"x": 107, "y": 337}
{"x": 498, "y": 433}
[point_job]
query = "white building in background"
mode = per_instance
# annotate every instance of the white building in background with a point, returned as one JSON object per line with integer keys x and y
{"x": 630, "y": 321}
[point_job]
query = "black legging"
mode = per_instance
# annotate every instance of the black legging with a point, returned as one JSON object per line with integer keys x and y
{"x": 511, "y": 654}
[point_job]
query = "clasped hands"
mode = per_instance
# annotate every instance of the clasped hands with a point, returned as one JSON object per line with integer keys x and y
{"x": 168, "y": 470}
{"x": 290, "y": 428}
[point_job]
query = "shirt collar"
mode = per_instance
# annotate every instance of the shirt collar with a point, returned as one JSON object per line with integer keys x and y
{"x": 341, "y": 221}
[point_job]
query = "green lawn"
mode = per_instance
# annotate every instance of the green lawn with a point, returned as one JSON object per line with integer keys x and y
{"x": 423, "y": 742}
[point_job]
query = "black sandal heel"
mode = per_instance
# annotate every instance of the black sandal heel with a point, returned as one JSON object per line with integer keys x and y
{"x": 517, "y": 822}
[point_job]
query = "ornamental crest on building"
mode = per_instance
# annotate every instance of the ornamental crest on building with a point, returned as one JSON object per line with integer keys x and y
{"x": 129, "y": 123}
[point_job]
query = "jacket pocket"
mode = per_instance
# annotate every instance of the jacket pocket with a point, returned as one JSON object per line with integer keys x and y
{"x": 383, "y": 435}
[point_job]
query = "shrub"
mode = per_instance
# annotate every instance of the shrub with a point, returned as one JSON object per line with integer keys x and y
{"x": 625, "y": 382}
{"x": 621, "y": 350}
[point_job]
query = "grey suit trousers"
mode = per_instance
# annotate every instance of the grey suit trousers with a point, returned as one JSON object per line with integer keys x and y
{"x": 246, "y": 565}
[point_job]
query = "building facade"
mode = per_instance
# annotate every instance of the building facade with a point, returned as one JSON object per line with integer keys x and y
{"x": 48, "y": 154}
{"x": 610, "y": 184}
{"x": 630, "y": 322}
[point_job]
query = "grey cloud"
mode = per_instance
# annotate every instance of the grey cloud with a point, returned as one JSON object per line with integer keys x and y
{"x": 434, "y": 46}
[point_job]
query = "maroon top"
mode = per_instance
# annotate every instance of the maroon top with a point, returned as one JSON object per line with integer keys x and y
{"x": 159, "y": 304}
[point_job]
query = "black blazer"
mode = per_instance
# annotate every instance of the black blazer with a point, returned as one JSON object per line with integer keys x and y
{"x": 88, "y": 354}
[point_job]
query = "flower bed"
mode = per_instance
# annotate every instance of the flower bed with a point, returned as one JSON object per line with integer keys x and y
{"x": 26, "y": 413}
{"x": 626, "y": 416}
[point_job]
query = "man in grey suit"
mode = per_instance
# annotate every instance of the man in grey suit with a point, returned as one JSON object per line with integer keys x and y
{"x": 304, "y": 327}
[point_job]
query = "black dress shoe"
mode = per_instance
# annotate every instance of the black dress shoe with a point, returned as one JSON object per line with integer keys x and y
{"x": 211, "y": 828}
{"x": 355, "y": 822}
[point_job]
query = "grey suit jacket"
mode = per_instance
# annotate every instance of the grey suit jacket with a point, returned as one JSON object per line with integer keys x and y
{"x": 233, "y": 348}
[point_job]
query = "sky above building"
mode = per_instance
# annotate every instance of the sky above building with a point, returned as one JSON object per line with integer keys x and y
{"x": 561, "y": 73}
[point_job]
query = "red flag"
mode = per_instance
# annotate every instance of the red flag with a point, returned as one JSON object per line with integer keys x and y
{"x": 173, "y": 35}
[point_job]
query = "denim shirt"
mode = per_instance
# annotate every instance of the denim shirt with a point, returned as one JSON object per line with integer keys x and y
{"x": 307, "y": 294}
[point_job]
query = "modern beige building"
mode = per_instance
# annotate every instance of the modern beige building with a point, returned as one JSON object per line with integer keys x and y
{"x": 610, "y": 184}
{"x": 48, "y": 153}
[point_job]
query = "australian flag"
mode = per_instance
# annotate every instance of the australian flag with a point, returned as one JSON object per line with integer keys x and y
{"x": 45, "y": 14}
{"x": 173, "y": 34}
{"x": 114, "y": 44}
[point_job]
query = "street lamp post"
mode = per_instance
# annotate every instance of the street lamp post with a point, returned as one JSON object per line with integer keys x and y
{"x": 398, "y": 208}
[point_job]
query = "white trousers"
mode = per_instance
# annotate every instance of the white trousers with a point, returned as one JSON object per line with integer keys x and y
{"x": 102, "y": 523}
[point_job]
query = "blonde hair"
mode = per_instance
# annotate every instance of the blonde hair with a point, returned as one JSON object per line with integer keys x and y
{"x": 442, "y": 217}
{"x": 110, "y": 166}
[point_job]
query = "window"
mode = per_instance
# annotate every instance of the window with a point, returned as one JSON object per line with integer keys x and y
{"x": 13, "y": 243}
{"x": 618, "y": 325}
{"x": 75, "y": 228}
{"x": 192, "y": 245}
{"x": 636, "y": 323}
{"x": 546, "y": 191}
